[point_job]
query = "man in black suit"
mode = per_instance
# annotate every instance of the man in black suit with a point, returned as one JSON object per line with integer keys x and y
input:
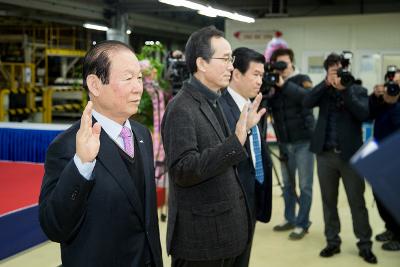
{"x": 209, "y": 221}
{"x": 337, "y": 137}
{"x": 98, "y": 196}
{"x": 255, "y": 172}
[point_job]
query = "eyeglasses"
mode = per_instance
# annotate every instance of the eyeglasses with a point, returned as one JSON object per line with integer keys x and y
{"x": 227, "y": 60}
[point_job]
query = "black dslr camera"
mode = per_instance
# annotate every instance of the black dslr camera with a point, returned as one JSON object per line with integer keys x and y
{"x": 346, "y": 79}
{"x": 177, "y": 73}
{"x": 270, "y": 77}
{"x": 392, "y": 88}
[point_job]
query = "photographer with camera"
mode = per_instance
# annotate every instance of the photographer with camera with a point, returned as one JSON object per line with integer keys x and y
{"x": 293, "y": 125}
{"x": 343, "y": 106}
{"x": 384, "y": 108}
{"x": 177, "y": 71}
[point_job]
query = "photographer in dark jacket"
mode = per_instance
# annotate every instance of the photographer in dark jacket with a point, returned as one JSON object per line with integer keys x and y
{"x": 293, "y": 126}
{"x": 337, "y": 136}
{"x": 385, "y": 110}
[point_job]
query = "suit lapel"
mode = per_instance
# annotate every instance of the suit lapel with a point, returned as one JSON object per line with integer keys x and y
{"x": 235, "y": 112}
{"x": 232, "y": 105}
{"x": 111, "y": 159}
{"x": 210, "y": 115}
{"x": 147, "y": 162}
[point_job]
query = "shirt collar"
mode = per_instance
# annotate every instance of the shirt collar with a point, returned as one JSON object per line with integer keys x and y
{"x": 239, "y": 99}
{"x": 210, "y": 95}
{"x": 112, "y": 128}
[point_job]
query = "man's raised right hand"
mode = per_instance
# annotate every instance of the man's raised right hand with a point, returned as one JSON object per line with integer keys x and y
{"x": 88, "y": 136}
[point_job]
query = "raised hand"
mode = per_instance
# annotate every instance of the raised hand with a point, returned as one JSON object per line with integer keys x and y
{"x": 88, "y": 136}
{"x": 330, "y": 76}
{"x": 241, "y": 125}
{"x": 254, "y": 115}
{"x": 249, "y": 117}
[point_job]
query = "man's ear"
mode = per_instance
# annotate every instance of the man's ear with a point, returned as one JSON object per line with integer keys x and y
{"x": 93, "y": 84}
{"x": 201, "y": 64}
{"x": 236, "y": 74}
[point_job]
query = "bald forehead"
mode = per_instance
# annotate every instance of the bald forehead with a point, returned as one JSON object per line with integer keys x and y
{"x": 115, "y": 50}
{"x": 220, "y": 46}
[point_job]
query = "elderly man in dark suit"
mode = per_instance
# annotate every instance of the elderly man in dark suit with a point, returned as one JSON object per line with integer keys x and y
{"x": 209, "y": 218}
{"x": 255, "y": 172}
{"x": 98, "y": 194}
{"x": 337, "y": 137}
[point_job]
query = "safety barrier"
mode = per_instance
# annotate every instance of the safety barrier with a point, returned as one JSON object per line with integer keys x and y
{"x": 47, "y": 108}
{"x": 68, "y": 107}
{"x": 30, "y": 102}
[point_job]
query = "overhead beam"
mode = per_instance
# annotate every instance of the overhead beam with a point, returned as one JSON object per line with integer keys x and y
{"x": 152, "y": 23}
{"x": 95, "y": 12}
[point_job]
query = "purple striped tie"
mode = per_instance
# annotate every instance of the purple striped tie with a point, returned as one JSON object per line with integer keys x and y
{"x": 128, "y": 140}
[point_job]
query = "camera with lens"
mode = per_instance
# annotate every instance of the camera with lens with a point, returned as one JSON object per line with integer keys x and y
{"x": 177, "y": 73}
{"x": 270, "y": 77}
{"x": 346, "y": 78}
{"x": 392, "y": 88}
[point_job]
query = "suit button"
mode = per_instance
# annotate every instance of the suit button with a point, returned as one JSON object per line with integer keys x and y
{"x": 75, "y": 194}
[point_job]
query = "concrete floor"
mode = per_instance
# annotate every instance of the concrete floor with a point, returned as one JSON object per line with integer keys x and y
{"x": 269, "y": 248}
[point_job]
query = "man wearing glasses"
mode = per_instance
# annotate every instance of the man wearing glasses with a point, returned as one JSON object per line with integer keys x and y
{"x": 209, "y": 222}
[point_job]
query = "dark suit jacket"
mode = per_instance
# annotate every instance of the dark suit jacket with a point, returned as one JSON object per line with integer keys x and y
{"x": 349, "y": 120}
{"x": 258, "y": 195}
{"x": 101, "y": 222}
{"x": 208, "y": 216}
{"x": 386, "y": 116}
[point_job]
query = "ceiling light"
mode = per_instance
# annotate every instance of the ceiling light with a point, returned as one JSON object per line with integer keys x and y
{"x": 95, "y": 27}
{"x": 208, "y": 10}
{"x": 184, "y": 3}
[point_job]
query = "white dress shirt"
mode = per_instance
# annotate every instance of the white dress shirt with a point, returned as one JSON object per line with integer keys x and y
{"x": 240, "y": 102}
{"x": 112, "y": 129}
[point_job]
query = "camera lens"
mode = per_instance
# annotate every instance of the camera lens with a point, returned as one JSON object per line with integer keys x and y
{"x": 346, "y": 79}
{"x": 392, "y": 88}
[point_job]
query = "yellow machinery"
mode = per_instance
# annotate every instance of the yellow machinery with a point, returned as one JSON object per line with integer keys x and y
{"x": 40, "y": 44}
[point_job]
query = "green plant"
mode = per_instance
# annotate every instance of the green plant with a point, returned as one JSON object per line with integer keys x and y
{"x": 145, "y": 111}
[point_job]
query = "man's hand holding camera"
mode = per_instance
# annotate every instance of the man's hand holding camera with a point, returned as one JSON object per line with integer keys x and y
{"x": 332, "y": 79}
{"x": 380, "y": 91}
{"x": 280, "y": 81}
